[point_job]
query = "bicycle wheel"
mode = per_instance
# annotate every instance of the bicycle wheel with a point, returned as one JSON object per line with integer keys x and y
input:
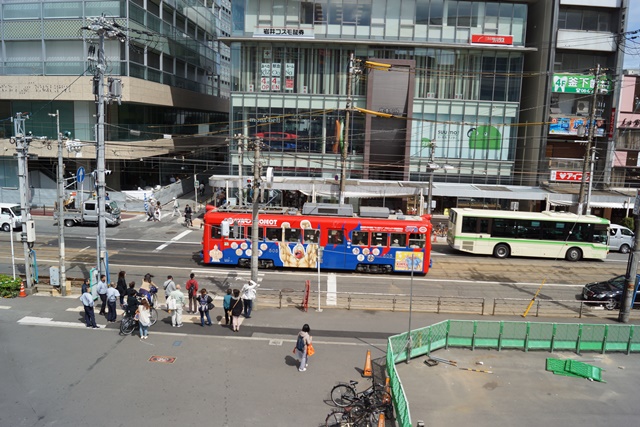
{"x": 343, "y": 395}
{"x": 153, "y": 315}
{"x": 127, "y": 325}
{"x": 360, "y": 416}
{"x": 336, "y": 419}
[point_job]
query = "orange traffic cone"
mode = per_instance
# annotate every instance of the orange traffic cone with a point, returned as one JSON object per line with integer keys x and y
{"x": 381, "y": 422}
{"x": 22, "y": 291}
{"x": 367, "y": 371}
{"x": 387, "y": 389}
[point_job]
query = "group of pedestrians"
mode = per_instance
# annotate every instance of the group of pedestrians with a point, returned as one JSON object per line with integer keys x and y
{"x": 236, "y": 303}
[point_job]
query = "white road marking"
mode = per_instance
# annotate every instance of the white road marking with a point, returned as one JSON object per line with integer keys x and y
{"x": 43, "y": 321}
{"x": 5, "y": 307}
{"x": 47, "y": 321}
{"x": 84, "y": 249}
{"x": 173, "y": 240}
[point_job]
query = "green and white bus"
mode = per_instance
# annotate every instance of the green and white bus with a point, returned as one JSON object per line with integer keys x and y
{"x": 535, "y": 234}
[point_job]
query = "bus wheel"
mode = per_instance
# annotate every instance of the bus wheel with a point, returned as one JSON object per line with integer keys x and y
{"x": 573, "y": 254}
{"x": 502, "y": 250}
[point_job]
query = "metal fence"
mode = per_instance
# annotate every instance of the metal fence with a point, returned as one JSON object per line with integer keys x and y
{"x": 437, "y": 304}
{"x": 500, "y": 335}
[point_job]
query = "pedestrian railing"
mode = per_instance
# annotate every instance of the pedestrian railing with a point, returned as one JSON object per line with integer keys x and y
{"x": 500, "y": 335}
{"x": 436, "y": 304}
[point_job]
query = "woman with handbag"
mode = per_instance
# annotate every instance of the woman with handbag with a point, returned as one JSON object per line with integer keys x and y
{"x": 236, "y": 310}
{"x": 303, "y": 347}
{"x": 144, "y": 318}
{"x": 205, "y": 304}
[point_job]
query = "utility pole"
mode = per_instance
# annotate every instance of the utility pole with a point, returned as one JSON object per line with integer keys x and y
{"x": 240, "y": 140}
{"x": 22, "y": 141}
{"x": 60, "y": 197}
{"x": 345, "y": 144}
{"x": 626, "y": 302}
{"x": 587, "y": 153}
{"x": 104, "y": 30}
{"x": 256, "y": 207}
{"x": 432, "y": 168}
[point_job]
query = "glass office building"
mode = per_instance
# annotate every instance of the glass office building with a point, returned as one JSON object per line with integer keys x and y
{"x": 453, "y": 87}
{"x": 174, "y": 71}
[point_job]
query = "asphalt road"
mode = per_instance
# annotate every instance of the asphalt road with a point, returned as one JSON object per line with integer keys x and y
{"x": 138, "y": 247}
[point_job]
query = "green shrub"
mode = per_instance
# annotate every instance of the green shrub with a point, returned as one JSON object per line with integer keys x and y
{"x": 9, "y": 287}
{"x": 628, "y": 222}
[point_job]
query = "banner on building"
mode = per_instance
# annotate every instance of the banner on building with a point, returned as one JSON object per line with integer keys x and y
{"x": 572, "y": 125}
{"x": 579, "y": 83}
{"x": 567, "y": 176}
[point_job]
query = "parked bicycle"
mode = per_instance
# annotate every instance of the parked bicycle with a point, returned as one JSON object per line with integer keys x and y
{"x": 129, "y": 323}
{"x": 364, "y": 406}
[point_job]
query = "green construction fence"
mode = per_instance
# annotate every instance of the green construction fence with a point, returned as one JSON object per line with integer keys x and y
{"x": 500, "y": 335}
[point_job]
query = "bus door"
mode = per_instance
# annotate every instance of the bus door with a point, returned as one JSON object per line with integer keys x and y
{"x": 334, "y": 255}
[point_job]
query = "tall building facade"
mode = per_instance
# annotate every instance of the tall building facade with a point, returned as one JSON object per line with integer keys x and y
{"x": 173, "y": 68}
{"x": 470, "y": 86}
{"x": 453, "y": 86}
{"x": 577, "y": 39}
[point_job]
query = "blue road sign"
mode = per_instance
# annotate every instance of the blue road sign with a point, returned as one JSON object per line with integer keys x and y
{"x": 80, "y": 174}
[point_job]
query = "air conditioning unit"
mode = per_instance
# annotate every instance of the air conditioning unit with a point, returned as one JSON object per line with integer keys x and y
{"x": 581, "y": 108}
{"x": 431, "y": 95}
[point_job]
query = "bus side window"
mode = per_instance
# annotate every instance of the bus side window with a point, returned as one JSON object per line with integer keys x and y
{"x": 274, "y": 234}
{"x": 336, "y": 237}
{"x": 416, "y": 240}
{"x": 216, "y": 232}
{"x": 360, "y": 238}
{"x": 311, "y": 236}
{"x": 260, "y": 233}
{"x": 469, "y": 224}
{"x": 291, "y": 234}
{"x": 398, "y": 239}
{"x": 379, "y": 239}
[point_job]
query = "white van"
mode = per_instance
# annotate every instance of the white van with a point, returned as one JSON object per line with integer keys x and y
{"x": 621, "y": 238}
{"x": 10, "y": 216}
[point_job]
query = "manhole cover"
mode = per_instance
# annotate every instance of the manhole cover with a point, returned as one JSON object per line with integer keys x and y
{"x": 162, "y": 359}
{"x": 275, "y": 342}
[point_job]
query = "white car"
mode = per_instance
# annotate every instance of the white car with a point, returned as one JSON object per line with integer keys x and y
{"x": 10, "y": 216}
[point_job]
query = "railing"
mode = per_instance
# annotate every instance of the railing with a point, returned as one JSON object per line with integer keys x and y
{"x": 437, "y": 304}
{"x": 500, "y": 335}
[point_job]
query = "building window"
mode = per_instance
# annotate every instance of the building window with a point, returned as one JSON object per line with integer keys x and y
{"x": 584, "y": 20}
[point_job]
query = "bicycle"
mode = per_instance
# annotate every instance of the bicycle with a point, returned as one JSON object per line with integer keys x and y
{"x": 353, "y": 416}
{"x": 128, "y": 324}
{"x": 188, "y": 221}
{"x": 344, "y": 395}
{"x": 372, "y": 401}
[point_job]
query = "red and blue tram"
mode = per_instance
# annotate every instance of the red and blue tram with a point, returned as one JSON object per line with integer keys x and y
{"x": 372, "y": 245}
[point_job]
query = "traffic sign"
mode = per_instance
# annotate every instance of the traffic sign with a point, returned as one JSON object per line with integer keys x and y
{"x": 80, "y": 174}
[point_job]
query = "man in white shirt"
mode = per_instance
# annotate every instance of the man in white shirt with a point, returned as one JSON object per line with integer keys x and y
{"x": 102, "y": 292}
{"x": 248, "y": 295}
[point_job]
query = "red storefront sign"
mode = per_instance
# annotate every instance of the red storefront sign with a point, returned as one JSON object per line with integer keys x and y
{"x": 491, "y": 39}
{"x": 567, "y": 176}
{"x": 612, "y": 122}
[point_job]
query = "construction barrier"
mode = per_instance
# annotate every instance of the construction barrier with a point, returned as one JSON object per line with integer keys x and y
{"x": 500, "y": 335}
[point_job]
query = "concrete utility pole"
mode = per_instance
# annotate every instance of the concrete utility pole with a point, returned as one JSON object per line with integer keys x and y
{"x": 345, "y": 144}
{"x": 587, "y": 153}
{"x": 626, "y": 302}
{"x": 256, "y": 207}
{"x": 22, "y": 141}
{"x": 103, "y": 29}
{"x": 60, "y": 196}
{"x": 432, "y": 168}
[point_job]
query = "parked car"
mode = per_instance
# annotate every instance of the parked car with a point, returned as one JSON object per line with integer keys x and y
{"x": 621, "y": 238}
{"x": 607, "y": 293}
{"x": 10, "y": 217}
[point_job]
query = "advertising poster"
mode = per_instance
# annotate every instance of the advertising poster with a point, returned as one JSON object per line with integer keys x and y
{"x": 571, "y": 125}
{"x": 461, "y": 140}
{"x": 405, "y": 260}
